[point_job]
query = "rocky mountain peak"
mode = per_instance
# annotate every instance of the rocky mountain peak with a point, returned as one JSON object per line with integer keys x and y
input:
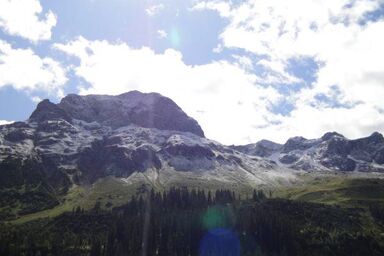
{"x": 269, "y": 144}
{"x": 47, "y": 110}
{"x": 148, "y": 110}
{"x": 376, "y": 137}
{"x": 297, "y": 143}
{"x": 262, "y": 148}
{"x": 330, "y": 135}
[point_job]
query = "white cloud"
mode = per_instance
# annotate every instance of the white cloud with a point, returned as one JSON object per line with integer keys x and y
{"x": 276, "y": 72}
{"x": 337, "y": 36}
{"x": 244, "y": 61}
{"x": 224, "y": 98}
{"x": 154, "y": 9}
{"x": 224, "y": 8}
{"x": 312, "y": 122}
{"x": 162, "y": 34}
{"x": 23, "y": 18}
{"x": 24, "y": 70}
{"x": 3, "y": 122}
{"x": 36, "y": 99}
{"x": 218, "y": 49}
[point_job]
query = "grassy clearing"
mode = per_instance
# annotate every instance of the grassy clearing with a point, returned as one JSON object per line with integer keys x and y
{"x": 350, "y": 192}
{"x": 109, "y": 192}
{"x": 67, "y": 205}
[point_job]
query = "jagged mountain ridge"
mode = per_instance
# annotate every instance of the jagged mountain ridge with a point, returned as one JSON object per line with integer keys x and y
{"x": 134, "y": 136}
{"x": 149, "y": 110}
{"x": 331, "y": 152}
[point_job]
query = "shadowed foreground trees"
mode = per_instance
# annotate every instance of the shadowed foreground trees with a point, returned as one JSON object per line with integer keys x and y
{"x": 196, "y": 222}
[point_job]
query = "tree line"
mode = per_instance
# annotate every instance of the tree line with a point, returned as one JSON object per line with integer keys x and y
{"x": 184, "y": 221}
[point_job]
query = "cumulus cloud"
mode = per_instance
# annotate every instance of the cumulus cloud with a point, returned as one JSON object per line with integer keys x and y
{"x": 337, "y": 35}
{"x": 162, "y": 34}
{"x": 223, "y": 97}
{"x": 24, "y": 70}
{"x": 311, "y": 122}
{"x": 154, "y": 9}
{"x": 224, "y": 8}
{"x": 25, "y": 18}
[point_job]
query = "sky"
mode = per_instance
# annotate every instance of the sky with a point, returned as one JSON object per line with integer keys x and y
{"x": 245, "y": 70}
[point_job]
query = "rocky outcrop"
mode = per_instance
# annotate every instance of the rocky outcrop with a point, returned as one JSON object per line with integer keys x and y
{"x": 149, "y": 110}
{"x": 47, "y": 110}
{"x": 297, "y": 143}
{"x": 263, "y": 148}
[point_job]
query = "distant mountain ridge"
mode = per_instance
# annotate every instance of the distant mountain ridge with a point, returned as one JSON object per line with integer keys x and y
{"x": 331, "y": 152}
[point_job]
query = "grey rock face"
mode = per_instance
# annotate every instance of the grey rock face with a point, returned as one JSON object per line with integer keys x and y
{"x": 47, "y": 110}
{"x": 289, "y": 158}
{"x": 17, "y": 135}
{"x": 263, "y": 148}
{"x": 337, "y": 146}
{"x": 191, "y": 151}
{"x": 149, "y": 110}
{"x": 339, "y": 163}
{"x": 379, "y": 156}
{"x": 330, "y": 135}
{"x": 298, "y": 143}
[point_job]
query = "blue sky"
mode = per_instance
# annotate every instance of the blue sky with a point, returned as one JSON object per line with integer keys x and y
{"x": 246, "y": 70}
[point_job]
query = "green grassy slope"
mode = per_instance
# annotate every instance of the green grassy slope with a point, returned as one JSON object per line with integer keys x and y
{"x": 337, "y": 190}
{"x": 111, "y": 192}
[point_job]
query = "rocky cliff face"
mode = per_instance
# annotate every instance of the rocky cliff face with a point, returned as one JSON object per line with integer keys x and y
{"x": 149, "y": 110}
{"x": 47, "y": 110}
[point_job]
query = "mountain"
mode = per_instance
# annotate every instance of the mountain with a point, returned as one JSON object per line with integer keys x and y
{"x": 331, "y": 152}
{"x": 149, "y": 110}
{"x": 136, "y": 138}
{"x": 263, "y": 148}
{"x": 100, "y": 142}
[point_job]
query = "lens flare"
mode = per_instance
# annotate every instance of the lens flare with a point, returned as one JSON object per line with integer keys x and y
{"x": 216, "y": 217}
{"x": 175, "y": 38}
{"x": 219, "y": 240}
